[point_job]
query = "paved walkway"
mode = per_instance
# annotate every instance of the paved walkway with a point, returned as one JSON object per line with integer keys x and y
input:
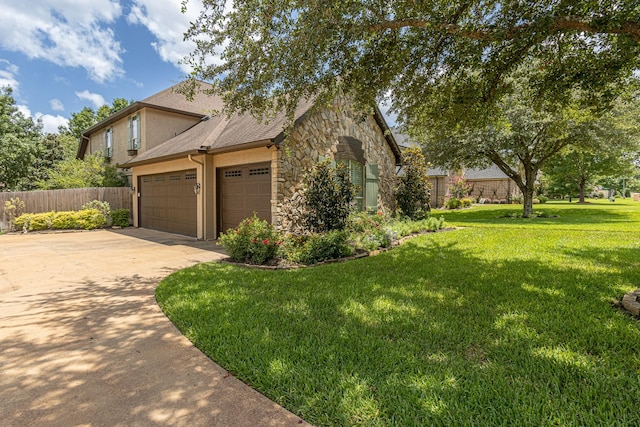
{"x": 83, "y": 342}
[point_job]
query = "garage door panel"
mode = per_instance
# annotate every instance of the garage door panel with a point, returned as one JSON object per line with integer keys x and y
{"x": 168, "y": 203}
{"x": 244, "y": 190}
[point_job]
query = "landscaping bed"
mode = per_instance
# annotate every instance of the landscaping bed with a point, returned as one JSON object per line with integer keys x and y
{"x": 256, "y": 242}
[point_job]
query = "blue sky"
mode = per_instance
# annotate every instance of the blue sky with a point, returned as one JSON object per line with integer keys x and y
{"x": 62, "y": 55}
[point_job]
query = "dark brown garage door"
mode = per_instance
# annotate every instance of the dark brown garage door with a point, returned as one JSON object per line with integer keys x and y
{"x": 243, "y": 190}
{"x": 168, "y": 202}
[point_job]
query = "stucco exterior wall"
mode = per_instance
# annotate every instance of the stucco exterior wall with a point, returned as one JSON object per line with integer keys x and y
{"x": 156, "y": 127}
{"x": 120, "y": 137}
{"x": 317, "y": 135}
{"x": 159, "y": 126}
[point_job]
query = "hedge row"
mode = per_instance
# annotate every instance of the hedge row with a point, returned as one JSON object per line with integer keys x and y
{"x": 87, "y": 219}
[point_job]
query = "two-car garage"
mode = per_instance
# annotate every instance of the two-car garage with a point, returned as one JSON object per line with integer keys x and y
{"x": 169, "y": 201}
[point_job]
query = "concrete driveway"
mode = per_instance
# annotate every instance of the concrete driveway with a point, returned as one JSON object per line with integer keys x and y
{"x": 83, "y": 343}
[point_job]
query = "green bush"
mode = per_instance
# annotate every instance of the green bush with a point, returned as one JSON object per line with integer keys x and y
{"x": 413, "y": 191}
{"x": 42, "y": 221}
{"x": 362, "y": 222}
{"x": 317, "y": 247}
{"x": 103, "y": 207}
{"x": 372, "y": 240}
{"x": 543, "y": 199}
{"x": 90, "y": 219}
{"x": 64, "y": 221}
{"x": 466, "y": 202}
{"x": 328, "y": 195}
{"x": 405, "y": 228}
{"x": 453, "y": 203}
{"x": 120, "y": 217}
{"x": 254, "y": 241}
{"x": 87, "y": 219}
{"x": 13, "y": 208}
{"x": 22, "y": 222}
{"x": 517, "y": 198}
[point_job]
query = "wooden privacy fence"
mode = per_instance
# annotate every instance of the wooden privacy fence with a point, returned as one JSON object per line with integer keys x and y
{"x": 66, "y": 200}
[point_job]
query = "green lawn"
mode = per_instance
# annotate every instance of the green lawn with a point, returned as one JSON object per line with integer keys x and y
{"x": 504, "y": 322}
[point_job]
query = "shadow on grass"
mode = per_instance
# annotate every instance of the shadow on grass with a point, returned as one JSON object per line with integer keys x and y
{"x": 428, "y": 334}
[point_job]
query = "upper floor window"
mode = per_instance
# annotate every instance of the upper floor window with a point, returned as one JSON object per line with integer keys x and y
{"x": 134, "y": 132}
{"x": 107, "y": 145}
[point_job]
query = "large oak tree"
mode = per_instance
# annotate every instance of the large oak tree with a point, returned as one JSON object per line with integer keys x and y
{"x": 436, "y": 59}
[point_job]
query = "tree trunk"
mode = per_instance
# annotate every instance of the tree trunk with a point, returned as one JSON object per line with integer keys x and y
{"x": 581, "y": 186}
{"x": 528, "y": 189}
{"x": 527, "y": 199}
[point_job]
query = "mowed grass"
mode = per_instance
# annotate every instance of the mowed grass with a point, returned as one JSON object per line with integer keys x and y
{"x": 504, "y": 322}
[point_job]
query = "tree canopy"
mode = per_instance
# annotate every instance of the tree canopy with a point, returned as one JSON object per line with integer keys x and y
{"x": 18, "y": 138}
{"x": 523, "y": 134}
{"x": 435, "y": 59}
{"x": 608, "y": 149}
{"x": 30, "y": 159}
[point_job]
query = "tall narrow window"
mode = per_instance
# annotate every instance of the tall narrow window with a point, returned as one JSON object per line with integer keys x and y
{"x": 134, "y": 132}
{"x": 108, "y": 142}
{"x": 356, "y": 174}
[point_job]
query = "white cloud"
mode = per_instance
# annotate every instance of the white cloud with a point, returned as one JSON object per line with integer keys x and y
{"x": 50, "y": 123}
{"x": 165, "y": 21}
{"x": 66, "y": 32}
{"x": 24, "y": 110}
{"x": 8, "y": 73}
{"x": 56, "y": 105}
{"x": 96, "y": 99}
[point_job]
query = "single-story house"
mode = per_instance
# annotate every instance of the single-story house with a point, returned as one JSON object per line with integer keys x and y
{"x": 199, "y": 174}
{"x": 490, "y": 184}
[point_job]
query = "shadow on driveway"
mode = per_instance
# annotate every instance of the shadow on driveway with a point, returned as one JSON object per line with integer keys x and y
{"x": 83, "y": 342}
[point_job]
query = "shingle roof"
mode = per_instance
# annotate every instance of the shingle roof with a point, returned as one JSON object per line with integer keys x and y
{"x": 492, "y": 172}
{"x": 213, "y": 133}
{"x": 218, "y": 133}
{"x": 170, "y": 98}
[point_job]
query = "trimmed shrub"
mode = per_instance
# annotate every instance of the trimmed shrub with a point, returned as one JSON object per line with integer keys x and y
{"x": 254, "y": 241}
{"x": 120, "y": 217}
{"x": 328, "y": 196}
{"x": 453, "y": 203}
{"x": 88, "y": 219}
{"x": 42, "y": 221}
{"x": 466, "y": 202}
{"x": 64, "y": 221}
{"x": 543, "y": 199}
{"x": 317, "y": 247}
{"x": 413, "y": 191}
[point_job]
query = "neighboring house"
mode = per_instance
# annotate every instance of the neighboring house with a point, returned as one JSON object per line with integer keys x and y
{"x": 488, "y": 185}
{"x": 199, "y": 175}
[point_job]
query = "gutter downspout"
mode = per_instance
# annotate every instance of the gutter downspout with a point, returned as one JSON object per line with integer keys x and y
{"x": 200, "y": 193}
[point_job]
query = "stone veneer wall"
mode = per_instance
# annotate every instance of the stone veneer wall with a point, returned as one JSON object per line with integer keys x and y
{"x": 317, "y": 135}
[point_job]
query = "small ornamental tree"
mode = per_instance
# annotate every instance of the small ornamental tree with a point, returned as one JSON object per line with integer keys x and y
{"x": 328, "y": 196}
{"x": 413, "y": 191}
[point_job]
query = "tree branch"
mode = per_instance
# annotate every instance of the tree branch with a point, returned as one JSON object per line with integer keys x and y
{"x": 559, "y": 24}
